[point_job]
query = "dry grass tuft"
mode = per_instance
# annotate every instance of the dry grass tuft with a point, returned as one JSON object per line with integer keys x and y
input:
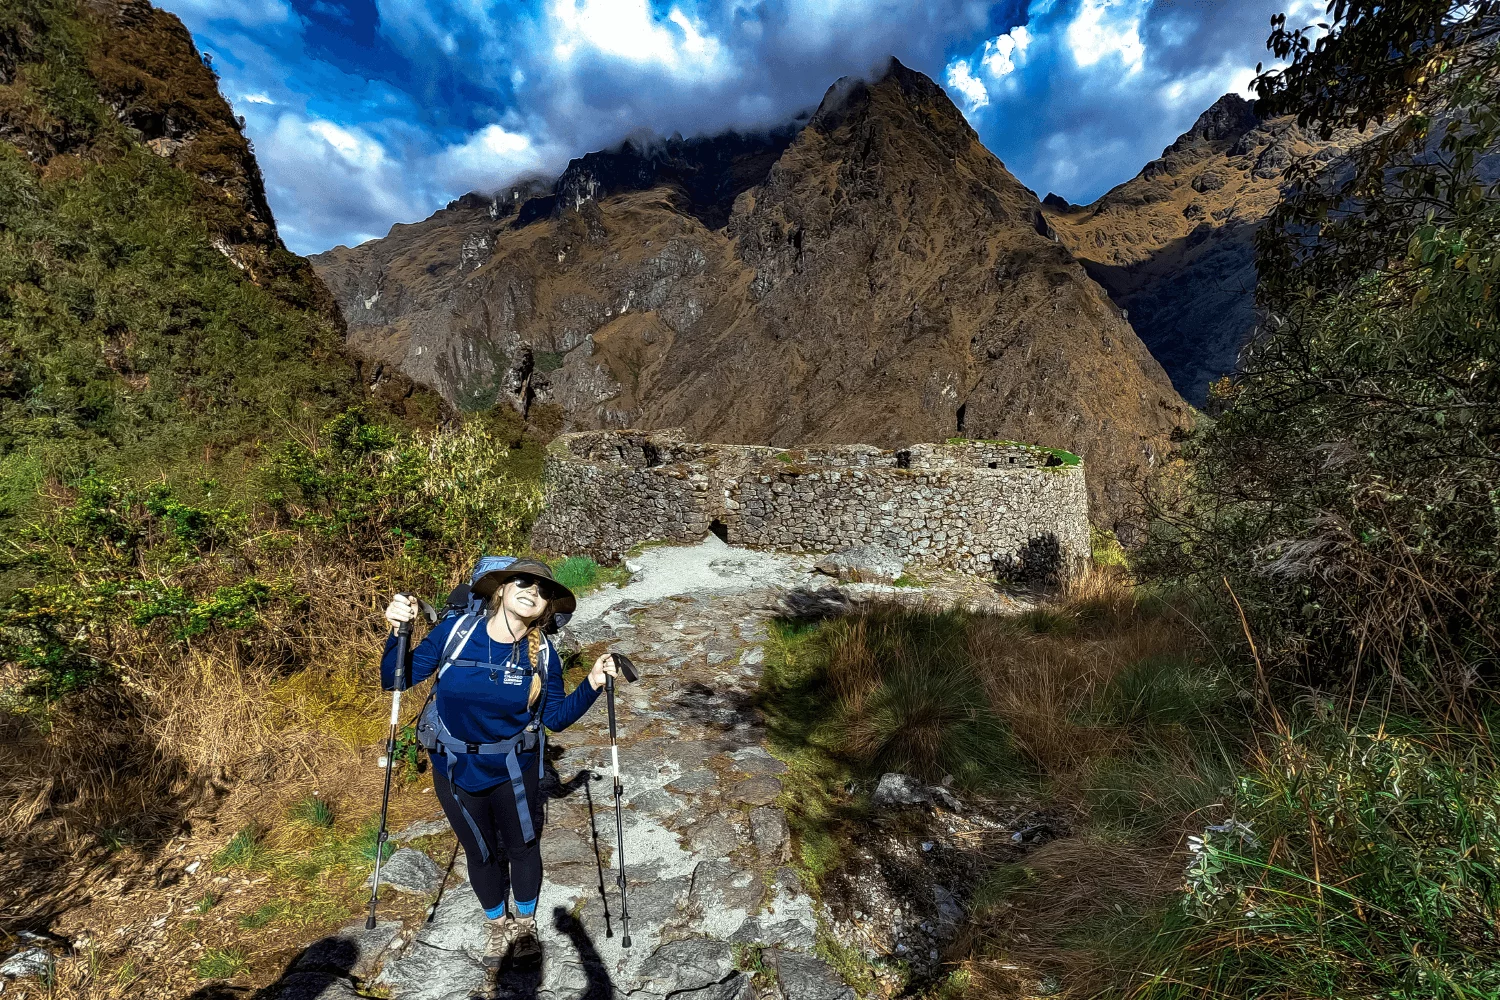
{"x": 1041, "y": 674}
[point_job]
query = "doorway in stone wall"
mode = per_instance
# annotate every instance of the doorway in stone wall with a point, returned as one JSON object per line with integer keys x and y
{"x": 719, "y": 530}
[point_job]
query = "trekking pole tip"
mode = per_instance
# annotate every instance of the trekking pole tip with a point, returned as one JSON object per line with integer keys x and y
{"x": 370, "y": 922}
{"x": 625, "y": 941}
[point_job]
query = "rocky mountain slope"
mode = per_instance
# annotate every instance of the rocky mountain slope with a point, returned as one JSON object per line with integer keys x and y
{"x": 148, "y": 309}
{"x": 874, "y": 276}
{"x": 1174, "y": 246}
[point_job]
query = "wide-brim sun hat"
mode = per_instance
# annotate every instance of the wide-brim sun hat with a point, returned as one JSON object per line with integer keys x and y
{"x": 560, "y": 598}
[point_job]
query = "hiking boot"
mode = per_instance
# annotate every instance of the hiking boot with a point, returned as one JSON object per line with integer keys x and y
{"x": 499, "y": 937}
{"x": 526, "y": 948}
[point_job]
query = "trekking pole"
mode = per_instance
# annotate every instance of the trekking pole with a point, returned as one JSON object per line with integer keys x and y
{"x": 627, "y": 668}
{"x": 403, "y": 644}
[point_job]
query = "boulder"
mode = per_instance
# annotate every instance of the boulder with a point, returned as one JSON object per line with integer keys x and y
{"x": 896, "y": 791}
{"x": 862, "y": 564}
{"x": 900, "y": 791}
{"x": 33, "y": 962}
{"x": 409, "y": 870}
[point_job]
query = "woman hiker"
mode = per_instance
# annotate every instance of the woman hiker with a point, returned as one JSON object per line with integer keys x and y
{"x": 486, "y": 765}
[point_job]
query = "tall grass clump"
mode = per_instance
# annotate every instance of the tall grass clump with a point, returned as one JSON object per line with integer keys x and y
{"x": 1351, "y": 864}
{"x": 891, "y": 690}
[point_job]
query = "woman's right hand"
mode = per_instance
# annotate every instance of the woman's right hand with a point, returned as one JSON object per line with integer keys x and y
{"x": 402, "y": 608}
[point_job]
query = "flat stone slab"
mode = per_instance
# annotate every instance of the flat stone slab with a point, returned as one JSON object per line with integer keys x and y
{"x": 759, "y": 791}
{"x": 773, "y": 838}
{"x": 428, "y": 973}
{"x": 409, "y": 870}
{"x": 699, "y": 780}
{"x": 807, "y": 978}
{"x": 754, "y": 760}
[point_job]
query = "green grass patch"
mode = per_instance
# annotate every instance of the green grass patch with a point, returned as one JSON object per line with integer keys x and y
{"x": 549, "y": 361}
{"x": 244, "y": 850}
{"x": 751, "y": 959}
{"x": 848, "y": 699}
{"x": 580, "y": 574}
{"x": 1360, "y": 864}
{"x": 1106, "y": 549}
{"x": 314, "y": 811}
{"x": 206, "y": 902}
{"x": 263, "y": 915}
{"x": 1059, "y": 456}
{"x": 851, "y": 965}
{"x": 220, "y": 963}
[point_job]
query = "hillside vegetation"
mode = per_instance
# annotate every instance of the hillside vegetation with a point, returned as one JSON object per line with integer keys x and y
{"x": 200, "y": 501}
{"x": 1274, "y": 751}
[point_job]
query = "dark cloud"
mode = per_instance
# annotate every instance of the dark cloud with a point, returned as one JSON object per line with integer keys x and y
{"x": 371, "y": 112}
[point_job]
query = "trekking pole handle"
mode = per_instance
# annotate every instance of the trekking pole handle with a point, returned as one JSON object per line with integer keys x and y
{"x": 614, "y": 750}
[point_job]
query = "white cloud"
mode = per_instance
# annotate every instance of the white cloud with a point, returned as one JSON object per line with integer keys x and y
{"x": 488, "y": 158}
{"x": 257, "y": 99}
{"x": 961, "y": 78}
{"x": 249, "y": 13}
{"x": 627, "y": 30}
{"x": 339, "y": 178}
{"x": 1108, "y": 27}
{"x": 352, "y": 144}
{"x": 1004, "y": 52}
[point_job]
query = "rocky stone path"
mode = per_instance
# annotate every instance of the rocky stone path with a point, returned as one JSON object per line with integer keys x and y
{"x": 706, "y": 845}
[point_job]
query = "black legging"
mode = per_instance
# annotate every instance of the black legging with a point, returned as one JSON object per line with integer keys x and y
{"x": 511, "y": 863}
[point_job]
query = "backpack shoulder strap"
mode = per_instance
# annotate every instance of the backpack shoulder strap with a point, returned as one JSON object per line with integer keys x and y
{"x": 457, "y": 639}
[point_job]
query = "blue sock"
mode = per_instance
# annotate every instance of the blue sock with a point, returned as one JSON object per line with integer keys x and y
{"x": 526, "y": 909}
{"x": 496, "y": 912}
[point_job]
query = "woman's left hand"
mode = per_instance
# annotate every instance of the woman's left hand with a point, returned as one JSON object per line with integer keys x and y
{"x": 603, "y": 667}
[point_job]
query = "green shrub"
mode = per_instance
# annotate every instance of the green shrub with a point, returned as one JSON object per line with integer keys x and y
{"x": 367, "y": 488}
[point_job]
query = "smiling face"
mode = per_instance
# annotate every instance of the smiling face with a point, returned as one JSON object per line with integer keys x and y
{"x": 522, "y": 598}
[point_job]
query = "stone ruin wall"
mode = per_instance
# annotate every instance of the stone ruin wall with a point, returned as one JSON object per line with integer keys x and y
{"x": 990, "y": 509}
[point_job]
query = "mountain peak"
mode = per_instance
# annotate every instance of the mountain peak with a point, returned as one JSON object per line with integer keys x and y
{"x": 895, "y": 83}
{"x": 1230, "y": 117}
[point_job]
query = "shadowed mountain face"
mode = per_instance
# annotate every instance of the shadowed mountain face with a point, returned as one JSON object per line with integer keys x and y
{"x": 874, "y": 276}
{"x": 1174, "y": 246}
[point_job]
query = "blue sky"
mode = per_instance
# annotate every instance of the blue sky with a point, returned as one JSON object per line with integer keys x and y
{"x": 365, "y": 113}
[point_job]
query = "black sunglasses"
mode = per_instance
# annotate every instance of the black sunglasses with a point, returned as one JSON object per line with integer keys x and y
{"x": 544, "y": 587}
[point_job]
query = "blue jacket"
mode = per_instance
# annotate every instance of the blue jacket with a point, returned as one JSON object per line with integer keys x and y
{"x": 487, "y": 705}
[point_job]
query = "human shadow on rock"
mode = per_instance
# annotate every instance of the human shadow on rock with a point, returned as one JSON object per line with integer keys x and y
{"x": 321, "y": 971}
